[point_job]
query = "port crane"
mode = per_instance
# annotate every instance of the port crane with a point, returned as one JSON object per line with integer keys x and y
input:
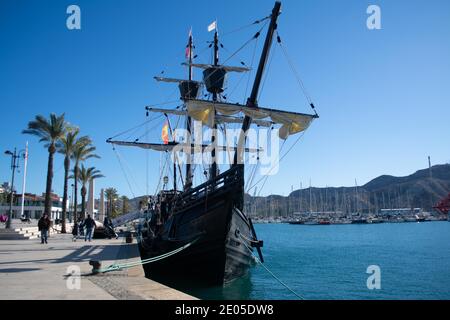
{"x": 444, "y": 205}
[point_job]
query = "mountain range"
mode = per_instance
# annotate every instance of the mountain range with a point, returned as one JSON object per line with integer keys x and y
{"x": 422, "y": 189}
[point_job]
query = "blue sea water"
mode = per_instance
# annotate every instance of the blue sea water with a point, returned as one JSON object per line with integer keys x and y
{"x": 330, "y": 262}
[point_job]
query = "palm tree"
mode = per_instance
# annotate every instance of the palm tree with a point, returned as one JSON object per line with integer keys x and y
{"x": 125, "y": 204}
{"x": 111, "y": 196}
{"x": 85, "y": 176}
{"x": 67, "y": 146}
{"x": 49, "y": 131}
{"x": 80, "y": 153}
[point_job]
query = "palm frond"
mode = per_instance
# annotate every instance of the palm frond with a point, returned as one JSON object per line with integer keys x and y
{"x": 47, "y": 130}
{"x": 85, "y": 175}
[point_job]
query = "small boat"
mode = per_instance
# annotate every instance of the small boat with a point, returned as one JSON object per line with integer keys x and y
{"x": 296, "y": 222}
{"x": 359, "y": 221}
{"x": 420, "y": 219}
{"x": 311, "y": 222}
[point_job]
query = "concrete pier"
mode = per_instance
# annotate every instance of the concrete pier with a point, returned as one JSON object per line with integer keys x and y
{"x": 30, "y": 270}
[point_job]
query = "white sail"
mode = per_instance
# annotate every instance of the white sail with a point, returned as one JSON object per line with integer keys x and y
{"x": 291, "y": 122}
{"x": 219, "y": 118}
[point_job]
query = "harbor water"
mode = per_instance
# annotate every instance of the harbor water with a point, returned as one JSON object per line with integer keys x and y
{"x": 331, "y": 261}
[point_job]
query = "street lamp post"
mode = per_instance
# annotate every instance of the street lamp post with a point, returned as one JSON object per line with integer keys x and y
{"x": 14, "y": 156}
{"x": 14, "y": 164}
{"x": 72, "y": 202}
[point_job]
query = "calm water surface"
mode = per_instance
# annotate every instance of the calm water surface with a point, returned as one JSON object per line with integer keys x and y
{"x": 330, "y": 262}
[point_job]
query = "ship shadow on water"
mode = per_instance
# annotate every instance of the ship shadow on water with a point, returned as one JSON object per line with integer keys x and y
{"x": 238, "y": 289}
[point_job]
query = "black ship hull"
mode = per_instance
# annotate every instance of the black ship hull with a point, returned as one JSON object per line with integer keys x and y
{"x": 221, "y": 236}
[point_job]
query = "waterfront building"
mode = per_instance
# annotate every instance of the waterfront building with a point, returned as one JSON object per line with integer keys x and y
{"x": 33, "y": 206}
{"x": 400, "y": 211}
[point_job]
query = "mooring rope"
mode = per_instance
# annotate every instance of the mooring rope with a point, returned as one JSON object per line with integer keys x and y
{"x": 270, "y": 272}
{"x": 118, "y": 266}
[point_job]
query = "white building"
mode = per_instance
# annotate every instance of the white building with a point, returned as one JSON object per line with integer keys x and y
{"x": 33, "y": 206}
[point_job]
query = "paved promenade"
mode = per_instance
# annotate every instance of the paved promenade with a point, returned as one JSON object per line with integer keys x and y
{"x": 30, "y": 270}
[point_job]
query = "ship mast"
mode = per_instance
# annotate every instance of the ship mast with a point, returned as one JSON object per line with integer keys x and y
{"x": 188, "y": 183}
{"x": 252, "y": 100}
{"x": 213, "y": 172}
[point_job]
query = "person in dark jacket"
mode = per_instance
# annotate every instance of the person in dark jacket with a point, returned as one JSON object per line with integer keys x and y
{"x": 44, "y": 226}
{"x": 89, "y": 223}
{"x": 75, "y": 231}
{"x": 109, "y": 228}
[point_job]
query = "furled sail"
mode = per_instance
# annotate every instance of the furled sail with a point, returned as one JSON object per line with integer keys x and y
{"x": 291, "y": 122}
{"x": 219, "y": 118}
{"x": 226, "y": 68}
{"x": 174, "y": 80}
{"x": 178, "y": 112}
{"x": 180, "y": 146}
{"x": 229, "y": 119}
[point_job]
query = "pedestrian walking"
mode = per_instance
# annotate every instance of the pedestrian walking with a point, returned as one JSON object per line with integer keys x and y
{"x": 89, "y": 223}
{"x": 75, "y": 231}
{"x": 109, "y": 228}
{"x": 43, "y": 226}
{"x": 81, "y": 228}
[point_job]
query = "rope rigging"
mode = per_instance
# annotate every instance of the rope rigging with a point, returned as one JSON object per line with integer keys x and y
{"x": 272, "y": 54}
{"x": 249, "y": 185}
{"x": 281, "y": 159}
{"x": 267, "y": 269}
{"x": 246, "y": 26}
{"x": 296, "y": 74}
{"x": 132, "y": 129}
{"x": 123, "y": 170}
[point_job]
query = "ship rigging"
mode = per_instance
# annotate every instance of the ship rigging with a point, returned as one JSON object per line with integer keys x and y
{"x": 210, "y": 212}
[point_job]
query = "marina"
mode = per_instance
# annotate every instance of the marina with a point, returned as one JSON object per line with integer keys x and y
{"x": 344, "y": 253}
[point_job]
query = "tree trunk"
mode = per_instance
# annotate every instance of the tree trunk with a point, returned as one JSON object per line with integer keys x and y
{"x": 48, "y": 189}
{"x": 66, "y": 181}
{"x": 83, "y": 201}
{"x": 75, "y": 196}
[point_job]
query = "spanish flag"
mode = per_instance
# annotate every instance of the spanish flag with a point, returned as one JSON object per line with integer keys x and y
{"x": 165, "y": 133}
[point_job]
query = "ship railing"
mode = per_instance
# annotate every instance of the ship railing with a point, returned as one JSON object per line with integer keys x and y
{"x": 233, "y": 174}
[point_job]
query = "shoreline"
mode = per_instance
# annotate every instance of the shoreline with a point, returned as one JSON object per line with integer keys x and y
{"x": 312, "y": 223}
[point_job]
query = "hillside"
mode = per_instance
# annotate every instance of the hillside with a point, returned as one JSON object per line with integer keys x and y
{"x": 415, "y": 190}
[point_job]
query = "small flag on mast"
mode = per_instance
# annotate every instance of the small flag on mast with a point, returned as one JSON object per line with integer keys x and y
{"x": 188, "y": 46}
{"x": 212, "y": 26}
{"x": 165, "y": 133}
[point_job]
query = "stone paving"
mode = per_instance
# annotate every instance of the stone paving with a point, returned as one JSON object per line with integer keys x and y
{"x": 30, "y": 270}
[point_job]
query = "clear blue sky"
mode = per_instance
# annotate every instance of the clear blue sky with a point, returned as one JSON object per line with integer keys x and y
{"x": 383, "y": 95}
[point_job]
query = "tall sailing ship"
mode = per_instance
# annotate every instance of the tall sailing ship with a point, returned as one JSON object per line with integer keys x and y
{"x": 209, "y": 217}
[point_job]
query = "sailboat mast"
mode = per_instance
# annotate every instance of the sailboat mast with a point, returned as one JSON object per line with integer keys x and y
{"x": 252, "y": 100}
{"x": 188, "y": 183}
